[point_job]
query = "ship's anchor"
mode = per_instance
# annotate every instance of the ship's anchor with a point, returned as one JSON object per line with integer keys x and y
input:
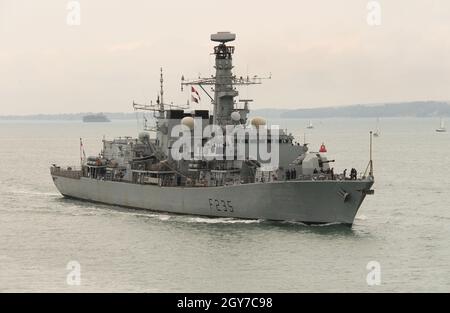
{"x": 345, "y": 195}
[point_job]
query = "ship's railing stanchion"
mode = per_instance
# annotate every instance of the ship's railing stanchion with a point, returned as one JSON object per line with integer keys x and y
{"x": 371, "y": 160}
{"x": 370, "y": 165}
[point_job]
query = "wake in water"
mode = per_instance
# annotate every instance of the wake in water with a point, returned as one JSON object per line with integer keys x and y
{"x": 35, "y": 193}
{"x": 22, "y": 190}
{"x": 309, "y": 225}
{"x": 361, "y": 217}
{"x": 222, "y": 220}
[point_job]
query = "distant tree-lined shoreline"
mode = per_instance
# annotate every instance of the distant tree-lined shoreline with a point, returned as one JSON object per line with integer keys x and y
{"x": 401, "y": 109}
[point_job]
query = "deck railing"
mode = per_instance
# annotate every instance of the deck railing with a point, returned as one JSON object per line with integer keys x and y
{"x": 68, "y": 172}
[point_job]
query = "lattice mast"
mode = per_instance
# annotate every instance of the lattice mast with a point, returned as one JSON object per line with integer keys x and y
{"x": 224, "y": 81}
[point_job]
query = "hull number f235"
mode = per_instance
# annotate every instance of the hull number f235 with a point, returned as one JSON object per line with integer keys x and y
{"x": 221, "y": 205}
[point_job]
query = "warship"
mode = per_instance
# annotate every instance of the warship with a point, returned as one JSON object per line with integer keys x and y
{"x": 96, "y": 118}
{"x": 179, "y": 165}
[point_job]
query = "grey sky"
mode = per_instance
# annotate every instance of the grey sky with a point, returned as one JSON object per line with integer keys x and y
{"x": 320, "y": 52}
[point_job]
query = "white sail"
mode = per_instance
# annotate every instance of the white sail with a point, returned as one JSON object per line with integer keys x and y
{"x": 441, "y": 128}
{"x": 377, "y": 130}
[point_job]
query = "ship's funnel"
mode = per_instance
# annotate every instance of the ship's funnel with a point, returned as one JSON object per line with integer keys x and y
{"x": 223, "y": 37}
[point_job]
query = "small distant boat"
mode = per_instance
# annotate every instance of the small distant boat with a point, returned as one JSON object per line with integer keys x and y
{"x": 377, "y": 131}
{"x": 441, "y": 128}
{"x": 310, "y": 125}
{"x": 96, "y": 118}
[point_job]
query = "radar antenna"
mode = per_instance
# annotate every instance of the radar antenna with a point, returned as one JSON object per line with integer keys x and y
{"x": 224, "y": 83}
{"x": 160, "y": 105}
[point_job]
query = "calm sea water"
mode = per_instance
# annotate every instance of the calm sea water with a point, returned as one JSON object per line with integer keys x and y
{"x": 405, "y": 226}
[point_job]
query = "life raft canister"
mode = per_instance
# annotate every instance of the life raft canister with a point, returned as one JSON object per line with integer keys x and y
{"x": 323, "y": 149}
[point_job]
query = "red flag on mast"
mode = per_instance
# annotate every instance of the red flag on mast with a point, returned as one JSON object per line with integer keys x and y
{"x": 193, "y": 90}
{"x": 195, "y": 95}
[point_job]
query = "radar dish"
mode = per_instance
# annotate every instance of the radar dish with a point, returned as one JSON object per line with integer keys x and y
{"x": 223, "y": 37}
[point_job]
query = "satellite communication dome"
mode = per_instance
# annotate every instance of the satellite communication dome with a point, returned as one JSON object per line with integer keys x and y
{"x": 258, "y": 121}
{"x": 188, "y": 121}
{"x": 236, "y": 116}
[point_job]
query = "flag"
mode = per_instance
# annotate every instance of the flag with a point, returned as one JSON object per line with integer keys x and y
{"x": 195, "y": 95}
{"x": 195, "y": 91}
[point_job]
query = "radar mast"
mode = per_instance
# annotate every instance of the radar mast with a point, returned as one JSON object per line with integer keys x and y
{"x": 224, "y": 81}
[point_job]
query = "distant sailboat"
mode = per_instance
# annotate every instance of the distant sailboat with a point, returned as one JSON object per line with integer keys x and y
{"x": 310, "y": 126}
{"x": 441, "y": 128}
{"x": 377, "y": 131}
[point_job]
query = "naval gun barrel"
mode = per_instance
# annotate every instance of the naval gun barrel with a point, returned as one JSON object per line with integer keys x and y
{"x": 329, "y": 161}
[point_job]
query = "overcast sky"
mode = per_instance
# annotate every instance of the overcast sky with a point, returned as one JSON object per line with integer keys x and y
{"x": 320, "y": 53}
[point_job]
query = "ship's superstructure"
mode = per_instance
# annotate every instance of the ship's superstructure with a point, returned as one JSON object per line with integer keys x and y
{"x": 218, "y": 163}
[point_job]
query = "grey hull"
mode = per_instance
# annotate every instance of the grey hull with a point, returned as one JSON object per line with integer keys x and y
{"x": 304, "y": 201}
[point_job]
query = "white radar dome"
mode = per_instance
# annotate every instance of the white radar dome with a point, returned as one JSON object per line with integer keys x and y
{"x": 235, "y": 116}
{"x": 188, "y": 121}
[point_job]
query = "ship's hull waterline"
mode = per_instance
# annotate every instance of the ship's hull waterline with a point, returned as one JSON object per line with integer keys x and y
{"x": 312, "y": 202}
